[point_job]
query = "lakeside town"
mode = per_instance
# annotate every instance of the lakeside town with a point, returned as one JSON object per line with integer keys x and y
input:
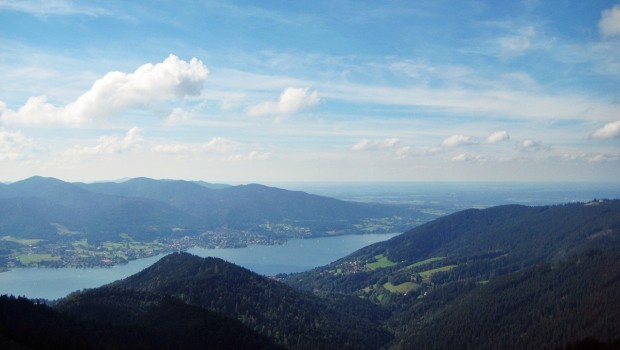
{"x": 23, "y": 253}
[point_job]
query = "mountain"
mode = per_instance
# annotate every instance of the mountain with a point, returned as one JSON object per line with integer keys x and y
{"x": 210, "y": 185}
{"x": 150, "y": 209}
{"x": 474, "y": 244}
{"x": 245, "y": 206}
{"x": 293, "y": 319}
{"x": 547, "y": 306}
{"x": 46, "y": 208}
{"x": 510, "y": 277}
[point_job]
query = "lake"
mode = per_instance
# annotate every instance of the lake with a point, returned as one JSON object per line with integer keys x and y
{"x": 296, "y": 255}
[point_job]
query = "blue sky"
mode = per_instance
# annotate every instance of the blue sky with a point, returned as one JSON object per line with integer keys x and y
{"x": 271, "y": 91}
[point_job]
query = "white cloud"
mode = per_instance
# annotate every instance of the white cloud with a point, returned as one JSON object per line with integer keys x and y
{"x": 591, "y": 157}
{"x": 116, "y": 92}
{"x": 460, "y": 158}
{"x": 110, "y": 144}
{"x": 609, "y": 131}
{"x": 529, "y": 145}
{"x": 498, "y": 136}
{"x": 291, "y": 100}
{"x": 609, "y": 24}
{"x": 253, "y": 155}
{"x": 463, "y": 157}
{"x": 391, "y": 145}
{"x": 457, "y": 140}
{"x": 215, "y": 145}
{"x": 368, "y": 145}
{"x": 13, "y": 145}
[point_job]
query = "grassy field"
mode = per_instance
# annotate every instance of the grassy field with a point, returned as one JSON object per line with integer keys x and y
{"x": 401, "y": 288}
{"x": 22, "y": 241}
{"x": 428, "y": 273}
{"x": 427, "y": 261}
{"x": 29, "y": 259}
{"x": 380, "y": 263}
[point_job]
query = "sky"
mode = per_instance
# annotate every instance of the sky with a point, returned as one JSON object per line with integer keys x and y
{"x": 334, "y": 90}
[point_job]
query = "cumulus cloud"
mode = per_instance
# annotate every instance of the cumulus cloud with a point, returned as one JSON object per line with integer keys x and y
{"x": 116, "y": 92}
{"x": 253, "y": 155}
{"x": 215, "y": 145}
{"x": 457, "y": 140}
{"x": 529, "y": 145}
{"x": 291, "y": 100}
{"x": 608, "y": 131}
{"x": 498, "y": 136}
{"x": 463, "y": 157}
{"x": 609, "y": 24}
{"x": 368, "y": 145}
{"x": 13, "y": 145}
{"x": 110, "y": 144}
{"x": 460, "y": 158}
{"x": 392, "y": 145}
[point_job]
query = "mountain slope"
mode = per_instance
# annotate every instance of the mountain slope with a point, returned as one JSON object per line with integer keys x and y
{"x": 100, "y": 207}
{"x": 476, "y": 244}
{"x": 547, "y": 306}
{"x": 294, "y": 319}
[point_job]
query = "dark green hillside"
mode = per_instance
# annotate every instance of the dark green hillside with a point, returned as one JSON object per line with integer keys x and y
{"x": 184, "y": 195}
{"x": 294, "y": 319}
{"x": 546, "y": 306}
{"x": 31, "y": 217}
{"x": 142, "y": 219}
{"x": 471, "y": 244}
{"x": 48, "y": 188}
{"x": 162, "y": 324}
{"x": 245, "y": 207}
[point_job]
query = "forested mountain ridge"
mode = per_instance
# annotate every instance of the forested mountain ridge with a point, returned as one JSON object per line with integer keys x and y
{"x": 76, "y": 205}
{"x": 474, "y": 243}
{"x": 292, "y": 318}
{"x": 510, "y": 277}
{"x": 545, "y": 306}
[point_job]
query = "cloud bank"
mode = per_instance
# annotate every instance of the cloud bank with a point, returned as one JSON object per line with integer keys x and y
{"x": 116, "y": 92}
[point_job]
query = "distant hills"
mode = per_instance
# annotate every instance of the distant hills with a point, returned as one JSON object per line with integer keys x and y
{"x": 147, "y": 209}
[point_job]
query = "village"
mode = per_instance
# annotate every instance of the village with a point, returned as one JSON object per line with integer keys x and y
{"x": 83, "y": 254}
